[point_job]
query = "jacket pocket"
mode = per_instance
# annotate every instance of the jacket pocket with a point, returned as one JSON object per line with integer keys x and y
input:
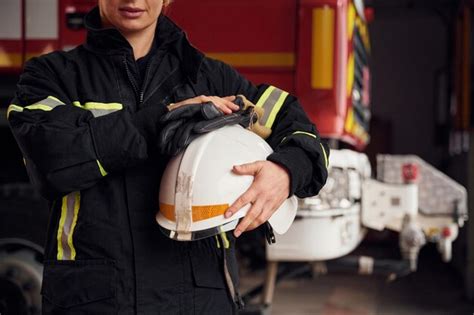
{"x": 82, "y": 286}
{"x": 208, "y": 263}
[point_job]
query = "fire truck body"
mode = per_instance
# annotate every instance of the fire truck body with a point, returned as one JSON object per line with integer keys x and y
{"x": 316, "y": 49}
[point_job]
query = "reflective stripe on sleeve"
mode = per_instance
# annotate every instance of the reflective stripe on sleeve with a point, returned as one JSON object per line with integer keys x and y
{"x": 46, "y": 104}
{"x": 99, "y": 109}
{"x": 300, "y": 133}
{"x": 325, "y": 155}
{"x": 14, "y": 108}
{"x": 271, "y": 101}
{"x": 67, "y": 223}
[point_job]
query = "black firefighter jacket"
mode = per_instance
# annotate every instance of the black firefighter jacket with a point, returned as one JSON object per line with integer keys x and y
{"x": 87, "y": 129}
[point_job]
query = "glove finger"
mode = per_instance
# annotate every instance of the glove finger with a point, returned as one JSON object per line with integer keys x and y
{"x": 185, "y": 111}
{"x": 210, "y": 111}
{"x": 210, "y": 125}
{"x": 184, "y": 138}
{"x": 239, "y": 101}
{"x": 245, "y": 121}
{"x": 185, "y": 141}
{"x": 168, "y": 149}
{"x": 170, "y": 144}
{"x": 168, "y": 132}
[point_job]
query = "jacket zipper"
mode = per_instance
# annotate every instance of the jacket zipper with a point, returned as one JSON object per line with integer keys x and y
{"x": 131, "y": 79}
{"x": 142, "y": 92}
{"x": 139, "y": 93}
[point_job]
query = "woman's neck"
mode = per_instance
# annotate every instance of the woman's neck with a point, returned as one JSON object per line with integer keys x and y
{"x": 141, "y": 41}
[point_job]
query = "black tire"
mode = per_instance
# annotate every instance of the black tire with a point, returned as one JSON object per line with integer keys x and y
{"x": 23, "y": 225}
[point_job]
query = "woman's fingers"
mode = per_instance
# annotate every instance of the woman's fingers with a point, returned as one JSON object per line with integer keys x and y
{"x": 267, "y": 192}
{"x": 251, "y": 218}
{"x": 266, "y": 213}
{"x": 225, "y": 104}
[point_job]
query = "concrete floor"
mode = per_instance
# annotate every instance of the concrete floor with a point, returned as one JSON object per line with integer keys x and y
{"x": 436, "y": 289}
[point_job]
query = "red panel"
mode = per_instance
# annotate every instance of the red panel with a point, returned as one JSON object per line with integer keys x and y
{"x": 323, "y": 106}
{"x": 70, "y": 37}
{"x": 238, "y": 26}
{"x": 13, "y": 49}
{"x": 36, "y": 47}
{"x": 284, "y": 79}
{"x": 11, "y": 46}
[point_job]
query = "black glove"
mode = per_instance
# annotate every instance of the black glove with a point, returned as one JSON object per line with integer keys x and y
{"x": 181, "y": 125}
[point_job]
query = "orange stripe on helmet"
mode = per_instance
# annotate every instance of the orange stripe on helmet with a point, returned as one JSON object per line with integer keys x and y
{"x": 200, "y": 213}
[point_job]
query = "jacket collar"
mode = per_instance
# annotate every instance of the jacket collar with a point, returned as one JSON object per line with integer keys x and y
{"x": 168, "y": 36}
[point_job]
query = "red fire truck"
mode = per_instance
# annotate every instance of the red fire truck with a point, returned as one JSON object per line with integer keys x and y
{"x": 315, "y": 49}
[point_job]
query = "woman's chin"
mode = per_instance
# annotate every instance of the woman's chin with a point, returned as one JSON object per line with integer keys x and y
{"x": 132, "y": 26}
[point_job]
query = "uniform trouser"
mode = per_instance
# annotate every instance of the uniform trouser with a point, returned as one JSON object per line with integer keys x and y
{"x": 67, "y": 290}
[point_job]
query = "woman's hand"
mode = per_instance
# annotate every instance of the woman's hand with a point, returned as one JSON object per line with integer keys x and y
{"x": 270, "y": 188}
{"x": 223, "y": 103}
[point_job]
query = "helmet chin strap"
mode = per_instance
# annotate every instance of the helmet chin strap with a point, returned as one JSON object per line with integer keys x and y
{"x": 184, "y": 208}
{"x": 197, "y": 235}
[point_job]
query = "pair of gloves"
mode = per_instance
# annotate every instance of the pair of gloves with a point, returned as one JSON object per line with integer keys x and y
{"x": 182, "y": 124}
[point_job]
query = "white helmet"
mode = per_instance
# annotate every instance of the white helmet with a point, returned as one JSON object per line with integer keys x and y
{"x": 198, "y": 185}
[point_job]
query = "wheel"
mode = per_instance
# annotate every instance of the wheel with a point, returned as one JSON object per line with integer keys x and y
{"x": 22, "y": 234}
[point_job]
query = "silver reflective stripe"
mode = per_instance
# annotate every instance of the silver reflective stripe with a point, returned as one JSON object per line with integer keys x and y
{"x": 269, "y": 104}
{"x": 50, "y": 101}
{"x": 99, "y": 109}
{"x": 46, "y": 105}
{"x": 67, "y": 222}
{"x": 325, "y": 155}
{"x": 271, "y": 101}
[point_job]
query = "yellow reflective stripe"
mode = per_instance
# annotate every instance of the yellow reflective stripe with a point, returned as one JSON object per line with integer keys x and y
{"x": 14, "y": 108}
{"x": 101, "y": 168}
{"x": 305, "y": 133}
{"x": 326, "y": 162}
{"x": 45, "y": 108}
{"x": 77, "y": 202}
{"x": 271, "y": 101}
{"x": 225, "y": 241}
{"x": 300, "y": 133}
{"x": 55, "y": 99}
{"x": 99, "y": 109}
{"x": 46, "y": 104}
{"x": 61, "y": 228}
{"x": 67, "y": 223}
{"x": 96, "y": 105}
{"x": 276, "y": 109}
{"x": 265, "y": 96}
